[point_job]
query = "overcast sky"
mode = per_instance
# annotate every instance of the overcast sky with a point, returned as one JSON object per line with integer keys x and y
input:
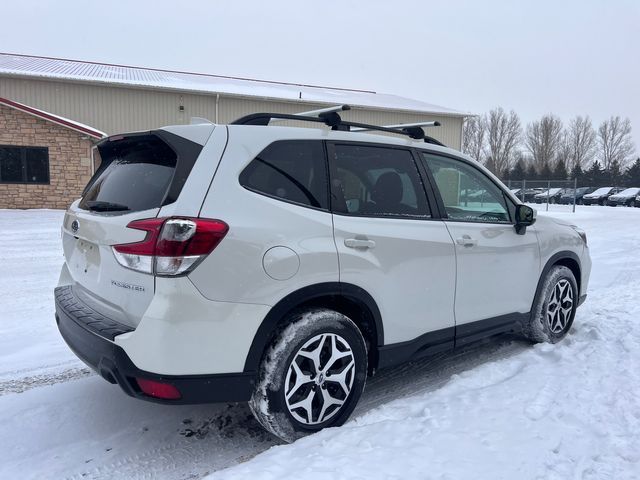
{"x": 538, "y": 56}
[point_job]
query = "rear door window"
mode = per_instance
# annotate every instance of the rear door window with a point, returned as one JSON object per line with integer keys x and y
{"x": 372, "y": 181}
{"x": 292, "y": 171}
{"x": 134, "y": 175}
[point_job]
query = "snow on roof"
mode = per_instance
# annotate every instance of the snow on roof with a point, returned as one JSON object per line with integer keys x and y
{"x": 63, "y": 69}
{"x": 65, "y": 122}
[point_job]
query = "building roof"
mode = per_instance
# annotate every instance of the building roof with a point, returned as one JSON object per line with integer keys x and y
{"x": 65, "y": 122}
{"x": 121, "y": 75}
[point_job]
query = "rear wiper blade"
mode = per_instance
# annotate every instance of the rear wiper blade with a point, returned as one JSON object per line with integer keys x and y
{"x": 98, "y": 206}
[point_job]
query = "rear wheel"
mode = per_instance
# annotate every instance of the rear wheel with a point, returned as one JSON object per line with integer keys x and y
{"x": 554, "y": 307}
{"x": 312, "y": 376}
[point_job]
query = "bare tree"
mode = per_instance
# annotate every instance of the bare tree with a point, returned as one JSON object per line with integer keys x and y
{"x": 580, "y": 142}
{"x": 474, "y": 137}
{"x": 544, "y": 140}
{"x": 616, "y": 145}
{"x": 503, "y": 137}
{"x": 564, "y": 153}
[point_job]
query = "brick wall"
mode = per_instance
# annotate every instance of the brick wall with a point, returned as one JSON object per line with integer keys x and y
{"x": 69, "y": 161}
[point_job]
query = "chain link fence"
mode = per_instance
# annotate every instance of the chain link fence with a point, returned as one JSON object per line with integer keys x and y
{"x": 547, "y": 192}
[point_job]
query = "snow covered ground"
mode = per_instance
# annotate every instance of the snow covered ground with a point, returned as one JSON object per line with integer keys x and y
{"x": 501, "y": 409}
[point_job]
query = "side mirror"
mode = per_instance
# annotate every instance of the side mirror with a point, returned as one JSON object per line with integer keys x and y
{"x": 525, "y": 216}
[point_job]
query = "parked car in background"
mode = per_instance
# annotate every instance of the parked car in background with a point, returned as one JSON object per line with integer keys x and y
{"x": 551, "y": 195}
{"x": 637, "y": 201}
{"x": 567, "y": 197}
{"x": 626, "y": 197}
{"x": 600, "y": 196}
{"x": 529, "y": 194}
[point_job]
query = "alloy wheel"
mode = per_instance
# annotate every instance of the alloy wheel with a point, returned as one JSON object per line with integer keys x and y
{"x": 319, "y": 379}
{"x": 560, "y": 306}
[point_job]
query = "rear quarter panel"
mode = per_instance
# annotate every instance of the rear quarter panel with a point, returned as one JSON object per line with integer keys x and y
{"x": 234, "y": 271}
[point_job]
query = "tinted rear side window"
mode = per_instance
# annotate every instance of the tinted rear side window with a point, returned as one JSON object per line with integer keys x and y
{"x": 376, "y": 182}
{"x": 134, "y": 175}
{"x": 290, "y": 170}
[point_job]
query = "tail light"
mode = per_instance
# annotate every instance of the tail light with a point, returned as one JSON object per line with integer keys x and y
{"x": 172, "y": 246}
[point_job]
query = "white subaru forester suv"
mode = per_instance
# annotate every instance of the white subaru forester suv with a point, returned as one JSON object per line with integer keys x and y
{"x": 282, "y": 266}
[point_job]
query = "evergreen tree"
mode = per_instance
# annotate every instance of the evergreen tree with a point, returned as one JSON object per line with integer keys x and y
{"x": 594, "y": 177}
{"x": 545, "y": 172}
{"x": 531, "y": 173}
{"x": 614, "y": 174}
{"x": 632, "y": 175}
{"x": 518, "y": 172}
{"x": 577, "y": 174}
{"x": 560, "y": 170}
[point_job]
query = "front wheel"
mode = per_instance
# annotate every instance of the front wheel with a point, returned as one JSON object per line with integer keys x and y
{"x": 312, "y": 376}
{"x": 554, "y": 307}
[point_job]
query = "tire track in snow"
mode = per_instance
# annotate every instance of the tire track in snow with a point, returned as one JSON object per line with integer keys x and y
{"x": 230, "y": 437}
{"x": 25, "y": 383}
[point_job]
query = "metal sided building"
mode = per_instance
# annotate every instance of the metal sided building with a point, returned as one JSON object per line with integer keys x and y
{"x": 114, "y": 98}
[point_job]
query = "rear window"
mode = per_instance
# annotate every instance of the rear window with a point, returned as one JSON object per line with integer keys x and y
{"x": 293, "y": 171}
{"x": 134, "y": 175}
{"x": 602, "y": 191}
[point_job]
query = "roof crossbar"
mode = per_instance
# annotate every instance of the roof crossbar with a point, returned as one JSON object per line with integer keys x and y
{"x": 332, "y": 119}
{"x": 403, "y": 125}
{"x": 320, "y": 111}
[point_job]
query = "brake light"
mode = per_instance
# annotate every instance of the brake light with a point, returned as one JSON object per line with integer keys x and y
{"x": 172, "y": 246}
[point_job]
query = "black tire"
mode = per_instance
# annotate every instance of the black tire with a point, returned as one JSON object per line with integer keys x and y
{"x": 632, "y": 203}
{"x": 269, "y": 403}
{"x": 543, "y": 326}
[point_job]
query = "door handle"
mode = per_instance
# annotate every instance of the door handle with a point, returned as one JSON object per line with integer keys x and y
{"x": 466, "y": 241}
{"x": 359, "y": 243}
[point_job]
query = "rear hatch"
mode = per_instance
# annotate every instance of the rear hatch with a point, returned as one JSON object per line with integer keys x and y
{"x": 138, "y": 174}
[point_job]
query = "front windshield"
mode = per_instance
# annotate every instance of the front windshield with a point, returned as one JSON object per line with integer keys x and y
{"x": 629, "y": 191}
{"x": 602, "y": 191}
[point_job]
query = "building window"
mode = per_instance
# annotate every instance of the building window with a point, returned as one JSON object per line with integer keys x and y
{"x": 24, "y": 164}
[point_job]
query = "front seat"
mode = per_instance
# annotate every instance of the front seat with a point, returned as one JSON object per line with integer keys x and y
{"x": 386, "y": 195}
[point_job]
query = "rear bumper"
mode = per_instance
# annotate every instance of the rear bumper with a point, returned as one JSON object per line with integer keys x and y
{"x": 78, "y": 326}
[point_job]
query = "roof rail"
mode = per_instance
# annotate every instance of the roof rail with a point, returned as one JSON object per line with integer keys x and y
{"x": 331, "y": 118}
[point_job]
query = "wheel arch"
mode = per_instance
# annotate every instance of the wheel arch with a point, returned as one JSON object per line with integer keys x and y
{"x": 350, "y": 300}
{"x": 565, "y": 258}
